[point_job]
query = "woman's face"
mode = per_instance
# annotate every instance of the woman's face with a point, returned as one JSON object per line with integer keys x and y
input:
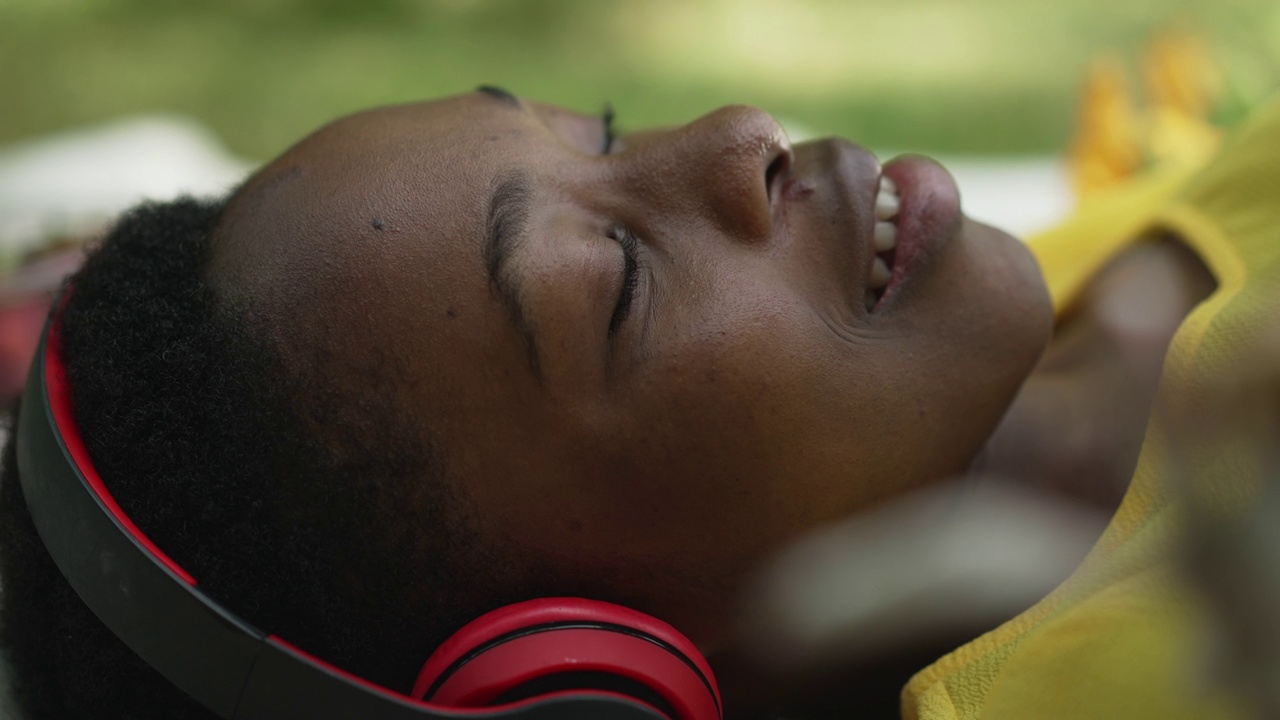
{"x": 647, "y": 367}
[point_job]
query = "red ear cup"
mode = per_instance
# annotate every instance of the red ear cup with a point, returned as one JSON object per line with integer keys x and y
{"x": 551, "y": 645}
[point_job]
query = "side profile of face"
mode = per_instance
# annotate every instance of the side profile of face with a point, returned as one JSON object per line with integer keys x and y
{"x": 644, "y": 364}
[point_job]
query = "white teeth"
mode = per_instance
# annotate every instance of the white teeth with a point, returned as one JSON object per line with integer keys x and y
{"x": 886, "y": 205}
{"x": 886, "y": 236}
{"x": 887, "y": 199}
{"x": 879, "y": 274}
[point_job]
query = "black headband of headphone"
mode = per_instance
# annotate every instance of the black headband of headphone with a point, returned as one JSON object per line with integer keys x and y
{"x": 158, "y": 609}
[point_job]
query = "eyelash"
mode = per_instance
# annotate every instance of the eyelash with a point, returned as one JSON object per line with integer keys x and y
{"x": 624, "y": 237}
{"x": 607, "y": 120}
{"x": 630, "y": 276}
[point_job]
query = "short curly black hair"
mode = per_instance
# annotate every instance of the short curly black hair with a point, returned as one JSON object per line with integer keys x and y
{"x": 292, "y": 502}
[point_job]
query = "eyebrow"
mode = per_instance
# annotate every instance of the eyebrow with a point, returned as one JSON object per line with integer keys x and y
{"x": 505, "y": 229}
{"x": 502, "y": 94}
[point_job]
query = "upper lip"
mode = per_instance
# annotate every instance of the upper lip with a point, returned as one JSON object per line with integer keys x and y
{"x": 852, "y": 176}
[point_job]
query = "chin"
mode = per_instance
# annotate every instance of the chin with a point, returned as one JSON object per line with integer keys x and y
{"x": 1000, "y": 323}
{"x": 1027, "y": 293}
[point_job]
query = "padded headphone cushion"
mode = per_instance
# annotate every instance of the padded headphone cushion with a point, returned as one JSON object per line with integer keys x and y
{"x": 584, "y": 641}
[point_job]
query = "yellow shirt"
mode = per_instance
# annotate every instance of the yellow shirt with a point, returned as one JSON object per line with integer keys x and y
{"x": 1122, "y": 638}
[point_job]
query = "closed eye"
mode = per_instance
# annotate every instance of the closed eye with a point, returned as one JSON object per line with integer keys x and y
{"x": 630, "y": 277}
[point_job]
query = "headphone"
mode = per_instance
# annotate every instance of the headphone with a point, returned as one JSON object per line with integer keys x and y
{"x": 546, "y": 659}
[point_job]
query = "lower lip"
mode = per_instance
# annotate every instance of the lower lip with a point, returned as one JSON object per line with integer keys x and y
{"x": 928, "y": 215}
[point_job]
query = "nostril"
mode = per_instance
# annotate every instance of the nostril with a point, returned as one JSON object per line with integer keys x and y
{"x": 776, "y": 168}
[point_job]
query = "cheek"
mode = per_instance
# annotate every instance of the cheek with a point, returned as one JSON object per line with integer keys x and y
{"x": 692, "y": 461}
{"x": 736, "y": 419}
{"x": 996, "y": 315}
{"x": 806, "y": 417}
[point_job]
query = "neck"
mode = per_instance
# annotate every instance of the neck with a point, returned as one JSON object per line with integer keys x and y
{"x": 1076, "y": 428}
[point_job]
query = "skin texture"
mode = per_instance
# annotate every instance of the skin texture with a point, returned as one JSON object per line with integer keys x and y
{"x": 748, "y": 396}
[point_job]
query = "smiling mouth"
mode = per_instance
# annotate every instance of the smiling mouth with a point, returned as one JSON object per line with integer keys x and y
{"x": 888, "y": 202}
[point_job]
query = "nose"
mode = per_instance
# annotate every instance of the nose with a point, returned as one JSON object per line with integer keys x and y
{"x": 724, "y": 167}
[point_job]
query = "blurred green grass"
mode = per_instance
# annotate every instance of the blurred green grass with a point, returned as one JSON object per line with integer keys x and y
{"x": 990, "y": 76}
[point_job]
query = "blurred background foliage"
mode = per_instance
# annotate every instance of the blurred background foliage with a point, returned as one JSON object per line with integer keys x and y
{"x": 937, "y": 75}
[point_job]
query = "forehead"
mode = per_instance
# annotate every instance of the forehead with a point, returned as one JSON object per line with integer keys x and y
{"x": 369, "y": 230}
{"x": 427, "y": 168}
{"x": 363, "y": 187}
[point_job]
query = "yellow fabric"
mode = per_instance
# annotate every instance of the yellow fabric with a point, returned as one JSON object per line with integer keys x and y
{"x": 1121, "y": 638}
